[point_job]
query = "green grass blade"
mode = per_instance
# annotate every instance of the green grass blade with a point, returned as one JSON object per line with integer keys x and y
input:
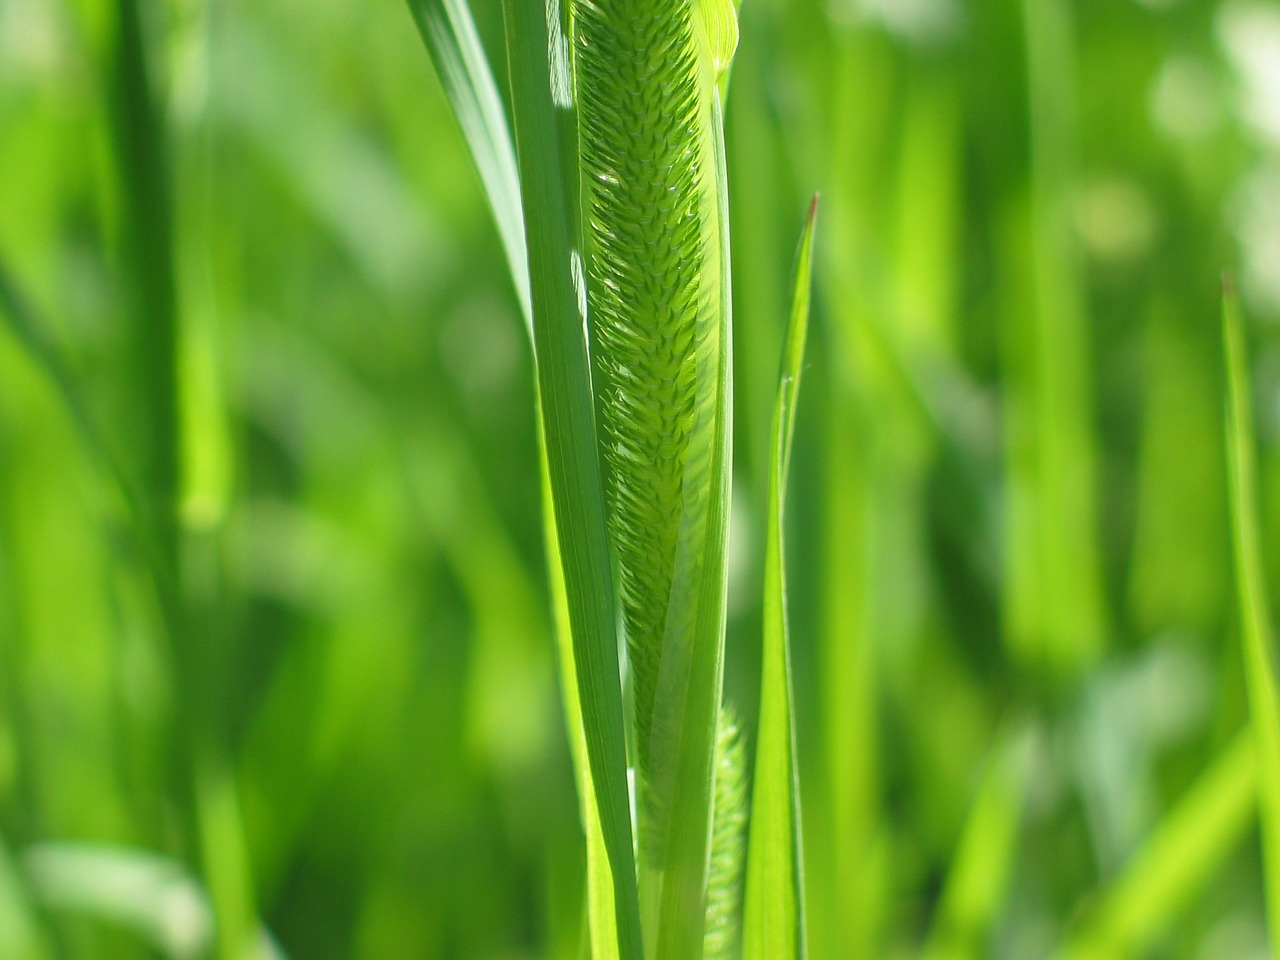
{"x": 601, "y": 916}
{"x": 449, "y": 32}
{"x": 773, "y": 926}
{"x": 1179, "y": 859}
{"x": 985, "y": 858}
{"x": 33, "y": 334}
{"x": 138, "y": 133}
{"x": 569, "y": 422}
{"x": 1251, "y": 592}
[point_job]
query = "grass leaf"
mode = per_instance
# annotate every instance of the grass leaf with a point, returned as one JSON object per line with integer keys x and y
{"x": 1251, "y": 592}
{"x": 450, "y": 34}
{"x": 568, "y": 419}
{"x": 985, "y": 858}
{"x": 1177, "y": 861}
{"x": 774, "y": 917}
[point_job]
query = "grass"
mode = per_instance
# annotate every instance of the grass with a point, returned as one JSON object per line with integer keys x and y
{"x": 411, "y": 544}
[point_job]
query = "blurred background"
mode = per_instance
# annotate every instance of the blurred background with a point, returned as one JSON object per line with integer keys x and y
{"x": 1011, "y": 588}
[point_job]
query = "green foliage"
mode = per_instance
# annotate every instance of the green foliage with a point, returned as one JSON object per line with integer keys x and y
{"x": 1251, "y": 591}
{"x": 335, "y": 621}
{"x": 774, "y": 918}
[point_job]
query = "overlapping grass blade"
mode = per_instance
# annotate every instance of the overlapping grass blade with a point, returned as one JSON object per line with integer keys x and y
{"x": 148, "y": 252}
{"x": 773, "y": 925}
{"x": 601, "y": 915}
{"x": 1179, "y": 859}
{"x": 569, "y": 423}
{"x": 33, "y": 334}
{"x": 985, "y": 857}
{"x": 1251, "y": 594}
{"x": 450, "y": 34}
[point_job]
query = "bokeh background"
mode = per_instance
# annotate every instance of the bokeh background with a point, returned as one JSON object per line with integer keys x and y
{"x": 1011, "y": 586}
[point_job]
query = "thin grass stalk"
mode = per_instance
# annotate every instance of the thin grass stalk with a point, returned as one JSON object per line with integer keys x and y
{"x": 1057, "y": 618}
{"x": 774, "y": 919}
{"x": 1254, "y": 608}
{"x": 1176, "y": 862}
{"x": 202, "y": 776}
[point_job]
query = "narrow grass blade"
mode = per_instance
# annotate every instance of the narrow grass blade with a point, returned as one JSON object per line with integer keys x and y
{"x": 601, "y": 916}
{"x": 138, "y": 133}
{"x": 985, "y": 857}
{"x": 33, "y": 334}
{"x": 1251, "y": 592}
{"x": 1057, "y": 618}
{"x": 449, "y": 32}
{"x": 1176, "y": 862}
{"x": 568, "y": 418}
{"x": 773, "y": 926}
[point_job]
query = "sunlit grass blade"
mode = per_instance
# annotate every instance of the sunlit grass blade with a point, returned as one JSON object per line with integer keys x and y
{"x": 1056, "y": 616}
{"x": 568, "y": 418}
{"x": 1251, "y": 592}
{"x": 601, "y": 915}
{"x": 773, "y": 923}
{"x": 1177, "y": 862}
{"x": 450, "y": 34}
{"x": 984, "y": 860}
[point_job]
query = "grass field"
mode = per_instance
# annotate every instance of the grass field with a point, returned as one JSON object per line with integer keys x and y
{"x": 885, "y": 581}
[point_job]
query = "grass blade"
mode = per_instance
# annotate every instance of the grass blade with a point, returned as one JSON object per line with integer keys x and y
{"x": 569, "y": 423}
{"x": 774, "y": 926}
{"x": 35, "y": 338}
{"x": 1251, "y": 592}
{"x": 985, "y": 858}
{"x": 450, "y": 34}
{"x": 1178, "y": 860}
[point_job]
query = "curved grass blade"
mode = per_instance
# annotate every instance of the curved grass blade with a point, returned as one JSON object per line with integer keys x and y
{"x": 602, "y": 921}
{"x": 568, "y": 419}
{"x": 773, "y": 924}
{"x": 1183, "y": 853}
{"x": 450, "y": 34}
{"x": 1251, "y": 592}
{"x": 985, "y": 858}
{"x": 35, "y": 338}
